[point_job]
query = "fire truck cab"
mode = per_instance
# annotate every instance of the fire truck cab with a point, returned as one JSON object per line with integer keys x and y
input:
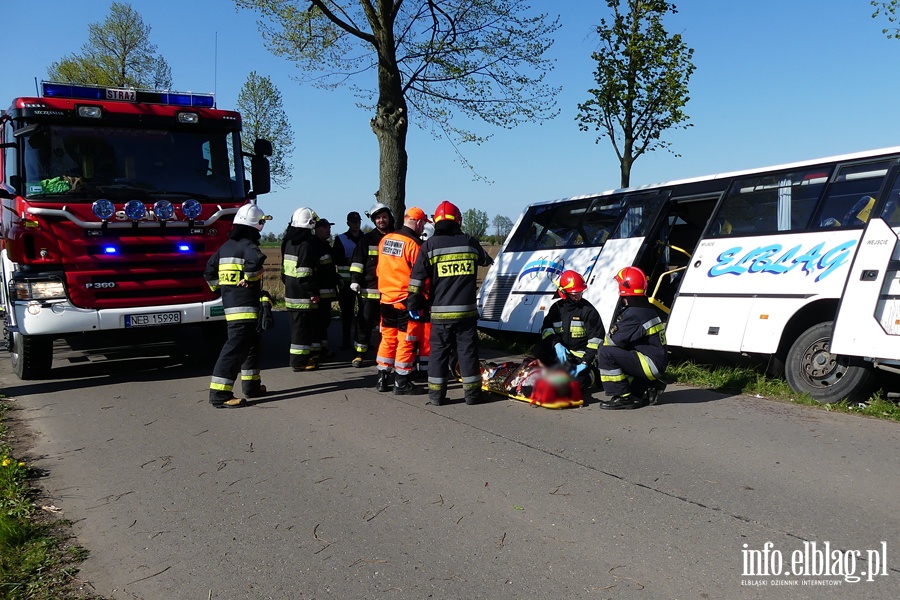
{"x": 112, "y": 202}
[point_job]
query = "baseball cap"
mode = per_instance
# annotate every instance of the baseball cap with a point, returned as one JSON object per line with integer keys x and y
{"x": 353, "y": 216}
{"x": 323, "y": 222}
{"x": 416, "y": 213}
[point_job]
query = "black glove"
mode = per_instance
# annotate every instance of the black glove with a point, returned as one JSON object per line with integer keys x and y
{"x": 266, "y": 320}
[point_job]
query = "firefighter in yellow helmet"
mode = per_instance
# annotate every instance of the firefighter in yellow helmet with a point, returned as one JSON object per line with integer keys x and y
{"x": 633, "y": 357}
{"x": 572, "y": 332}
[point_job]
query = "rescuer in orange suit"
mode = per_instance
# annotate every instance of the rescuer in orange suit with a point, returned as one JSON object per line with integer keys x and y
{"x": 397, "y": 253}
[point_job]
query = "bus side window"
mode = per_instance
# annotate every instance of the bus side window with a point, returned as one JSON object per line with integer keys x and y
{"x": 849, "y": 200}
{"x": 891, "y": 210}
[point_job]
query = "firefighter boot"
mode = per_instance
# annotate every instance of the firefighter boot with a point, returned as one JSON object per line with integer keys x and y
{"x": 357, "y": 360}
{"x": 437, "y": 395}
{"x": 657, "y": 387}
{"x": 404, "y": 387}
{"x": 383, "y": 384}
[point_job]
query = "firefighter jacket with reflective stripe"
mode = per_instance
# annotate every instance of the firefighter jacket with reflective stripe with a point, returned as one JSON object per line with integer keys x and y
{"x": 342, "y": 253}
{"x": 364, "y": 265}
{"x": 299, "y": 263}
{"x": 575, "y": 325}
{"x": 448, "y": 263}
{"x": 236, "y": 261}
{"x": 326, "y": 276}
{"x": 639, "y": 328}
{"x": 397, "y": 253}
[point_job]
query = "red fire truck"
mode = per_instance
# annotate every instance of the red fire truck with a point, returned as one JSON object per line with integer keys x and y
{"x": 112, "y": 202}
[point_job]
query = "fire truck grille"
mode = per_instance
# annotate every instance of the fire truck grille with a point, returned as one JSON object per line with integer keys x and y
{"x": 137, "y": 288}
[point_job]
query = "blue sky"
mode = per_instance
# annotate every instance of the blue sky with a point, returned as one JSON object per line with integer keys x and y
{"x": 776, "y": 82}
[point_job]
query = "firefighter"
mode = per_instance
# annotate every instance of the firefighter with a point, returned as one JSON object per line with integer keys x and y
{"x": 633, "y": 357}
{"x": 342, "y": 252}
{"x": 301, "y": 293}
{"x": 364, "y": 279}
{"x": 572, "y": 332}
{"x": 328, "y": 282}
{"x": 397, "y": 253}
{"x": 236, "y": 270}
{"x": 446, "y": 274}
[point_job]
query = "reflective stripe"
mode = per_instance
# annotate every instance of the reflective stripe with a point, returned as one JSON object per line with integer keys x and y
{"x": 300, "y": 350}
{"x": 649, "y": 367}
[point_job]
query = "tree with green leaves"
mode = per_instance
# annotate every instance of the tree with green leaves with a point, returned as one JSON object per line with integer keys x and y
{"x": 642, "y": 81}
{"x": 118, "y": 53}
{"x": 263, "y": 116}
{"x": 475, "y": 222}
{"x": 432, "y": 59}
{"x": 889, "y": 11}
{"x": 502, "y": 225}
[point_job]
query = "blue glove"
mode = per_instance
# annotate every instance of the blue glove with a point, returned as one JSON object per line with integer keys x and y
{"x": 415, "y": 315}
{"x": 561, "y": 353}
{"x": 578, "y": 369}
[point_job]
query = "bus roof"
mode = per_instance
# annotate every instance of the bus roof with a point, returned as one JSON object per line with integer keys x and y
{"x": 731, "y": 174}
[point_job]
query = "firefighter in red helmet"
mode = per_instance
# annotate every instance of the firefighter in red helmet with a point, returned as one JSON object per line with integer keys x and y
{"x": 633, "y": 357}
{"x": 445, "y": 276}
{"x": 572, "y": 332}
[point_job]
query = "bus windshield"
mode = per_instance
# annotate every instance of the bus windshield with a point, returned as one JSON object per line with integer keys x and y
{"x": 118, "y": 162}
{"x": 582, "y": 222}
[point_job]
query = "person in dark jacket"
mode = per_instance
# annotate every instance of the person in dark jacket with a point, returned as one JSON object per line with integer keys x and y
{"x": 364, "y": 279}
{"x": 444, "y": 279}
{"x": 236, "y": 271}
{"x": 572, "y": 332}
{"x": 301, "y": 293}
{"x": 633, "y": 357}
{"x": 342, "y": 254}
{"x": 328, "y": 282}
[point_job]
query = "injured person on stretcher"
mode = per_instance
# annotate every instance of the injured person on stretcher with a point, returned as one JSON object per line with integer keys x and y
{"x": 531, "y": 382}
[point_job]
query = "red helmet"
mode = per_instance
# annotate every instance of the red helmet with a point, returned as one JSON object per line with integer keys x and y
{"x": 632, "y": 282}
{"x": 447, "y": 210}
{"x": 570, "y": 281}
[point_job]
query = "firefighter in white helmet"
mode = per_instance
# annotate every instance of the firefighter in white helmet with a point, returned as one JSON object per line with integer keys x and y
{"x": 236, "y": 271}
{"x": 301, "y": 292}
{"x": 364, "y": 279}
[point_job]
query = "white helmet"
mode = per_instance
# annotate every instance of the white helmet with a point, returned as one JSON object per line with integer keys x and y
{"x": 377, "y": 208}
{"x": 428, "y": 231}
{"x": 305, "y": 218}
{"x": 252, "y": 216}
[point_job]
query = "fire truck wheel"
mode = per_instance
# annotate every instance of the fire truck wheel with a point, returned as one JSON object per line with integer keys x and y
{"x": 810, "y": 368}
{"x": 32, "y": 355}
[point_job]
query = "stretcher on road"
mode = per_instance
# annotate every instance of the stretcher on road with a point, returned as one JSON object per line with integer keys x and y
{"x": 528, "y": 381}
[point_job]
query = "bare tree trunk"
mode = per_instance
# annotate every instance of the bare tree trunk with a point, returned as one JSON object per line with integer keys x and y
{"x": 390, "y": 125}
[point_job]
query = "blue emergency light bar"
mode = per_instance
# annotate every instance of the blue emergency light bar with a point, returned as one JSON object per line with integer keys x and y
{"x": 90, "y": 92}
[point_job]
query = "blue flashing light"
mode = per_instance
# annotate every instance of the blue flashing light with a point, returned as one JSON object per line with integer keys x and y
{"x": 110, "y": 250}
{"x": 184, "y": 248}
{"x": 65, "y": 90}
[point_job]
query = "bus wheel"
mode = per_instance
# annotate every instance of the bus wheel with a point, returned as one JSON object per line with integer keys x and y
{"x": 32, "y": 355}
{"x": 810, "y": 368}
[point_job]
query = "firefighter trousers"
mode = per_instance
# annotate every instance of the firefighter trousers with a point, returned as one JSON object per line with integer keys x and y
{"x": 395, "y": 352}
{"x": 623, "y": 372}
{"x": 366, "y": 320}
{"x": 445, "y": 337}
{"x": 239, "y": 356}
{"x": 303, "y": 333}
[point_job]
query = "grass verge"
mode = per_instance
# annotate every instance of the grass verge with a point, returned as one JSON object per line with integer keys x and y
{"x": 38, "y": 558}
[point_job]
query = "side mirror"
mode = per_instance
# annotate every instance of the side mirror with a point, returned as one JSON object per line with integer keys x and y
{"x": 262, "y": 147}
{"x": 262, "y": 179}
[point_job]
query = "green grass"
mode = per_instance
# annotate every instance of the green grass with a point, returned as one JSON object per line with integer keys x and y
{"x": 38, "y": 560}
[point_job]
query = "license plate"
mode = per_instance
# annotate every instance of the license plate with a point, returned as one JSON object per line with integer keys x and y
{"x": 153, "y": 319}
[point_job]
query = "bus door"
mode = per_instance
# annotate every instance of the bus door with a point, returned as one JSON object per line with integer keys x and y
{"x": 627, "y": 246}
{"x": 868, "y": 317}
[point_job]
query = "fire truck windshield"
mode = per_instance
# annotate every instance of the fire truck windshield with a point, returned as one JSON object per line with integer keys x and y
{"x": 116, "y": 162}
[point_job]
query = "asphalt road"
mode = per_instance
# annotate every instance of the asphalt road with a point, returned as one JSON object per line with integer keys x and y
{"x": 329, "y": 489}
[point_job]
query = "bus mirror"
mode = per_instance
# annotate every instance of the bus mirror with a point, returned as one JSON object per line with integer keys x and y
{"x": 262, "y": 147}
{"x": 4, "y": 193}
{"x": 262, "y": 183}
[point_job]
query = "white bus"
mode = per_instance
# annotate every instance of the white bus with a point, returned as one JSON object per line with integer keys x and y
{"x": 796, "y": 263}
